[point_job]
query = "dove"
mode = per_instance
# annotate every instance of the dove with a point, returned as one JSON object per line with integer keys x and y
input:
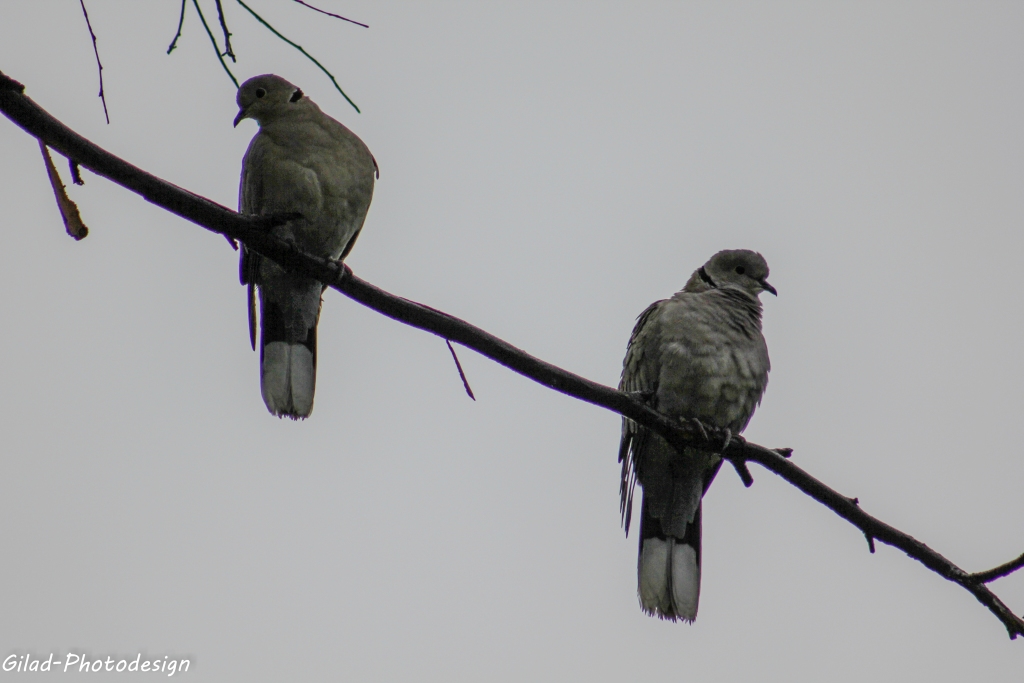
{"x": 699, "y": 355}
{"x": 300, "y": 162}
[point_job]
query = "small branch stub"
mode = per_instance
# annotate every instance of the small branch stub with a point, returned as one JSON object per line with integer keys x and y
{"x": 744, "y": 473}
{"x": 68, "y": 209}
{"x": 76, "y": 172}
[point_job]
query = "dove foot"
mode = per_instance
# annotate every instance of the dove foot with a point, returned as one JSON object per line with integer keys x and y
{"x": 700, "y": 428}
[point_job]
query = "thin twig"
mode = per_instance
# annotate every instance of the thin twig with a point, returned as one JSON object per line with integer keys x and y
{"x": 227, "y": 34}
{"x": 458, "y": 365}
{"x": 255, "y": 233}
{"x": 336, "y": 16}
{"x": 181, "y": 20}
{"x": 213, "y": 41}
{"x": 299, "y": 48}
{"x": 998, "y": 572}
{"x": 99, "y": 64}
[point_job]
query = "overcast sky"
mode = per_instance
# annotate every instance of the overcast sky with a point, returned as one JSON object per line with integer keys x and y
{"x": 547, "y": 171}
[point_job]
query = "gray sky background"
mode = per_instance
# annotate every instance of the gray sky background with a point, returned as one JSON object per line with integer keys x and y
{"x": 547, "y": 170}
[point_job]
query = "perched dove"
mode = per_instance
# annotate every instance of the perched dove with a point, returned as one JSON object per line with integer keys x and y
{"x": 698, "y": 355}
{"x": 301, "y": 161}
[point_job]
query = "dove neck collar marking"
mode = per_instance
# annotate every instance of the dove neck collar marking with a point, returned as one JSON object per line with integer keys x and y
{"x": 706, "y": 278}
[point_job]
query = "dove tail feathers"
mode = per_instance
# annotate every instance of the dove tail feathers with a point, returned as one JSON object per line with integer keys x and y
{"x": 287, "y": 366}
{"x": 288, "y": 379}
{"x": 668, "y": 569}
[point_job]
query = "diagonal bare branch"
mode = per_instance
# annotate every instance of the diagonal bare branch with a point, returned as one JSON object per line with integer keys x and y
{"x": 181, "y": 22}
{"x": 99, "y": 64}
{"x": 68, "y": 209}
{"x": 227, "y": 34}
{"x": 999, "y": 572}
{"x": 336, "y": 16}
{"x": 213, "y": 41}
{"x": 253, "y": 230}
{"x": 873, "y": 528}
{"x": 462, "y": 375}
{"x": 300, "y": 49}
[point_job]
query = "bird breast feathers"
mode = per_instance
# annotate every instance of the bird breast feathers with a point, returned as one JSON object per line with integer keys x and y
{"x": 285, "y": 185}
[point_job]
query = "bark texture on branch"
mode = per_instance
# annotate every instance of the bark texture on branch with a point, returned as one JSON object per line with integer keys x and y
{"x": 253, "y": 230}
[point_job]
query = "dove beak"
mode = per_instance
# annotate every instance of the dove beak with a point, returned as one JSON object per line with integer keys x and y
{"x": 241, "y": 115}
{"x": 768, "y": 288}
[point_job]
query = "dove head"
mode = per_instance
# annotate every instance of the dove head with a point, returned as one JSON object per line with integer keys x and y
{"x": 737, "y": 268}
{"x": 267, "y": 98}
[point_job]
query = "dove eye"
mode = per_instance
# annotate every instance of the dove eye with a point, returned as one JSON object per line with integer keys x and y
{"x": 740, "y": 270}
{"x": 296, "y": 96}
{"x": 260, "y": 92}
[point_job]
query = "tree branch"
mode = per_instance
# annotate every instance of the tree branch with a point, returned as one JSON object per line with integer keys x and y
{"x": 999, "y": 572}
{"x": 336, "y": 16}
{"x": 303, "y": 51}
{"x": 462, "y": 375}
{"x": 99, "y": 64}
{"x": 253, "y": 230}
{"x": 181, "y": 21}
{"x": 213, "y": 41}
{"x": 227, "y": 33}
{"x": 873, "y": 528}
